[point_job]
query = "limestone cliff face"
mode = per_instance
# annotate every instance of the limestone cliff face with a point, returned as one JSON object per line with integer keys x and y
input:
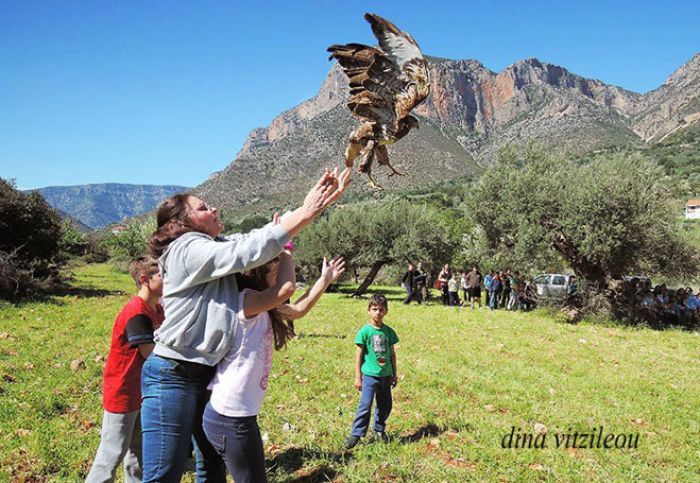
{"x": 470, "y": 113}
{"x": 672, "y": 106}
{"x": 333, "y": 92}
{"x": 468, "y": 94}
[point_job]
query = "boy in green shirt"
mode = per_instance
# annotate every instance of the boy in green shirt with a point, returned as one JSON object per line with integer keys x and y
{"x": 375, "y": 371}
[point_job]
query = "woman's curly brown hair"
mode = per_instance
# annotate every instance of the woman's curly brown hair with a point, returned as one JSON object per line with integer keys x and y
{"x": 173, "y": 221}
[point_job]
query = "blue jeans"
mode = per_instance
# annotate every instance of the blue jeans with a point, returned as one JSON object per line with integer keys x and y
{"x": 493, "y": 302}
{"x": 171, "y": 417}
{"x": 238, "y": 441}
{"x": 372, "y": 387}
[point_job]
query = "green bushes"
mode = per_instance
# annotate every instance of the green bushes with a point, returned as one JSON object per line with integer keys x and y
{"x": 30, "y": 249}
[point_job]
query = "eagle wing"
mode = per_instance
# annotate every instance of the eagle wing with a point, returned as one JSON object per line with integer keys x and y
{"x": 387, "y": 83}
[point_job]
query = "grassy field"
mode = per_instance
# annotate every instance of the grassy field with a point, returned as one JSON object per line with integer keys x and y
{"x": 466, "y": 378}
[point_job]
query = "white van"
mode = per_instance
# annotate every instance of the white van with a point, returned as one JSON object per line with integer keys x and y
{"x": 552, "y": 285}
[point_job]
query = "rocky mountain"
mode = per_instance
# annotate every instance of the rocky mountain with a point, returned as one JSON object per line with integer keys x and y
{"x": 671, "y": 107}
{"x": 98, "y": 205}
{"x": 470, "y": 114}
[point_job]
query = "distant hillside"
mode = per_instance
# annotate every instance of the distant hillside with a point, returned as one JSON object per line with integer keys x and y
{"x": 98, "y": 205}
{"x": 470, "y": 114}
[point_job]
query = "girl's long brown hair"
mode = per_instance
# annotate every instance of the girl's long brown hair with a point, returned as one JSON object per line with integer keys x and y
{"x": 256, "y": 280}
{"x": 173, "y": 221}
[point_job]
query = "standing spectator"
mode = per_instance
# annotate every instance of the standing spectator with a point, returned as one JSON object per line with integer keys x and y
{"x": 443, "y": 279}
{"x": 421, "y": 278}
{"x": 464, "y": 287}
{"x": 474, "y": 286}
{"x": 516, "y": 291}
{"x": 453, "y": 289}
{"x": 409, "y": 284}
{"x": 496, "y": 289}
{"x": 529, "y": 296}
{"x": 505, "y": 294}
{"x": 487, "y": 286}
{"x": 572, "y": 292}
{"x": 132, "y": 343}
{"x": 375, "y": 372}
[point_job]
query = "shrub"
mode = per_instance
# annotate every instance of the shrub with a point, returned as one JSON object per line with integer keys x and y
{"x": 30, "y": 252}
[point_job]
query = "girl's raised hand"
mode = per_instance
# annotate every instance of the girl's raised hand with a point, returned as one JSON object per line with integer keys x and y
{"x": 331, "y": 271}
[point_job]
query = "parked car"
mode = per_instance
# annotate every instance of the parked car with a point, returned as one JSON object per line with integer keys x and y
{"x": 552, "y": 285}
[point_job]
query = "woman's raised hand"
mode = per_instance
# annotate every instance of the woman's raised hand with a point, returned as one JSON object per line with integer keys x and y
{"x": 329, "y": 187}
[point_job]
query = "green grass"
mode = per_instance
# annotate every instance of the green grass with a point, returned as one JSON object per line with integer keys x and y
{"x": 466, "y": 377}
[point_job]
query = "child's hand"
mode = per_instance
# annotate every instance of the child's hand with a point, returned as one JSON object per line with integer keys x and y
{"x": 394, "y": 380}
{"x": 331, "y": 271}
{"x": 358, "y": 383}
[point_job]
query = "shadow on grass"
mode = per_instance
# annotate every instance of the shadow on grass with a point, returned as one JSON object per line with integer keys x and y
{"x": 395, "y": 294}
{"x": 429, "y": 430}
{"x": 292, "y": 460}
{"x": 83, "y": 292}
{"x": 51, "y": 297}
{"x": 320, "y": 336}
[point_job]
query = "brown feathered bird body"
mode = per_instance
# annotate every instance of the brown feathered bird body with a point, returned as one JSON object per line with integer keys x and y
{"x": 386, "y": 83}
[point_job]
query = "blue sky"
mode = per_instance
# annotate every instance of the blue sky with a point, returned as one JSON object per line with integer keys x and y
{"x": 166, "y": 92}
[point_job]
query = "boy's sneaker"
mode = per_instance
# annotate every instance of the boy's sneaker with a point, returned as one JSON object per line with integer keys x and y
{"x": 351, "y": 442}
{"x": 379, "y": 436}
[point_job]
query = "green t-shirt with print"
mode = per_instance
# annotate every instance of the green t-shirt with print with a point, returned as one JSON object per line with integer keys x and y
{"x": 376, "y": 344}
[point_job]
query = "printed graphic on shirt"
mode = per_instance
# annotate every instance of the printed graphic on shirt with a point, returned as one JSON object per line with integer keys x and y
{"x": 267, "y": 358}
{"x": 379, "y": 348}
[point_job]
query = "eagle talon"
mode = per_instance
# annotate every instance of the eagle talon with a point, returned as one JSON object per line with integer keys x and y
{"x": 373, "y": 184}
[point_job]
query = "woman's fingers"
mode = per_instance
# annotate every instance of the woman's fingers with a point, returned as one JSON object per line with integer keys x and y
{"x": 342, "y": 182}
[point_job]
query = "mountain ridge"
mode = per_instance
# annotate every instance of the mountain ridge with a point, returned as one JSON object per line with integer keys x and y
{"x": 97, "y": 205}
{"x": 470, "y": 114}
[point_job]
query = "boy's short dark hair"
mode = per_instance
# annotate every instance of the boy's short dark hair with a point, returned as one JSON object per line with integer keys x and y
{"x": 146, "y": 265}
{"x": 379, "y": 300}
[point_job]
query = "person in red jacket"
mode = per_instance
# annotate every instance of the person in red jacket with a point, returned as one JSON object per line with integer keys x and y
{"x": 132, "y": 343}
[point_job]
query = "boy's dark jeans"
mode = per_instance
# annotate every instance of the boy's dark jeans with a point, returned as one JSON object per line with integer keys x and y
{"x": 372, "y": 387}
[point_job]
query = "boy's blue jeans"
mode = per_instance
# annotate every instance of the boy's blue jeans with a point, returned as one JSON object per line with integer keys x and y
{"x": 171, "y": 417}
{"x": 372, "y": 387}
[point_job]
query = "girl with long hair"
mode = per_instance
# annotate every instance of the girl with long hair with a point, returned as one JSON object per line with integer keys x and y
{"x": 230, "y": 418}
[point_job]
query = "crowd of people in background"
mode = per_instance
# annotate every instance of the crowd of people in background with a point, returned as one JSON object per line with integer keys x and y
{"x": 497, "y": 289}
{"x": 662, "y": 304}
{"x": 512, "y": 290}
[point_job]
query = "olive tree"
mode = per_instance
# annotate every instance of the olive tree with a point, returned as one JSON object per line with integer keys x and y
{"x": 371, "y": 235}
{"x": 607, "y": 218}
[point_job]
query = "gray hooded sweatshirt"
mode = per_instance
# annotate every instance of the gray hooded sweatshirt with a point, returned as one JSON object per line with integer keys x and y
{"x": 200, "y": 294}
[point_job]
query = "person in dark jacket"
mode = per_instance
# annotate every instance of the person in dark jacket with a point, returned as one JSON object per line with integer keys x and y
{"x": 421, "y": 278}
{"x": 409, "y": 284}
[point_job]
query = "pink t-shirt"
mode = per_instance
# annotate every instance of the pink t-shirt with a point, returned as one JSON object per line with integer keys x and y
{"x": 241, "y": 377}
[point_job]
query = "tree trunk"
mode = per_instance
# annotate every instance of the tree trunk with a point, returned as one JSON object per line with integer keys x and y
{"x": 368, "y": 279}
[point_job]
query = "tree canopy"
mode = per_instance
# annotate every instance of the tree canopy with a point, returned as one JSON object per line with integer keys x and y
{"x": 607, "y": 218}
{"x": 373, "y": 234}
